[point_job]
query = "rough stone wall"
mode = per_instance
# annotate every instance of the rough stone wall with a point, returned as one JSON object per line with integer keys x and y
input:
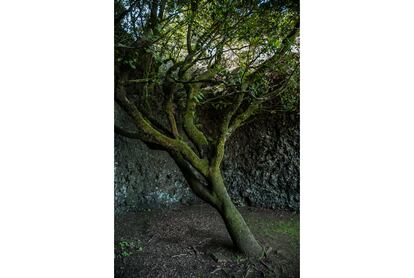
{"x": 260, "y": 168}
{"x": 261, "y": 165}
{"x": 146, "y": 178}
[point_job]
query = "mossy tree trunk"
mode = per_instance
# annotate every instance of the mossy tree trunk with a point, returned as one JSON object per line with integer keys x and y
{"x": 215, "y": 194}
{"x": 203, "y": 174}
{"x": 242, "y": 237}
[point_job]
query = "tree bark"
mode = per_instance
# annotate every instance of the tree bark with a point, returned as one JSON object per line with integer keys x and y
{"x": 242, "y": 237}
{"x": 217, "y": 196}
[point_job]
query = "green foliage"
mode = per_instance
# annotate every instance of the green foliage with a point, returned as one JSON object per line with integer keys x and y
{"x": 125, "y": 254}
{"x": 129, "y": 247}
{"x": 222, "y": 47}
{"x": 199, "y": 96}
{"x": 239, "y": 258}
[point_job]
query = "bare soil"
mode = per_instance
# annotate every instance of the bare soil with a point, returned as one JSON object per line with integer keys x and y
{"x": 192, "y": 241}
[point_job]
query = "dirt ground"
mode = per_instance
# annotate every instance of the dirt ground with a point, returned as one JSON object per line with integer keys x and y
{"x": 192, "y": 241}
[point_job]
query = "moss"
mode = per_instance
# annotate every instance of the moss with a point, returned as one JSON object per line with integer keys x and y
{"x": 196, "y": 135}
{"x": 274, "y": 228}
{"x": 289, "y": 227}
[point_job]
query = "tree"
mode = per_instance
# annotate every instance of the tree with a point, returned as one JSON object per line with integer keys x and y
{"x": 190, "y": 73}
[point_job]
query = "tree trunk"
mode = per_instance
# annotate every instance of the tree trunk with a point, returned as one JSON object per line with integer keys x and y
{"x": 218, "y": 197}
{"x": 242, "y": 237}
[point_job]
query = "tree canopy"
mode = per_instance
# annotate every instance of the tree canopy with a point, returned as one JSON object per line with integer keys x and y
{"x": 238, "y": 57}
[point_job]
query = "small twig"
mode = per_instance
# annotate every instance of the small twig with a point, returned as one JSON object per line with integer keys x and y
{"x": 178, "y": 255}
{"x": 247, "y": 272}
{"x": 196, "y": 252}
{"x": 217, "y": 269}
{"x": 267, "y": 266}
{"x": 259, "y": 270}
{"x": 150, "y": 239}
{"x": 268, "y": 251}
{"x": 206, "y": 239}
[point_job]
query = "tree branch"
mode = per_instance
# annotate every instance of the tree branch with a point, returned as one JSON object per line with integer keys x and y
{"x": 286, "y": 42}
{"x": 169, "y": 91}
{"x": 224, "y": 133}
{"x": 195, "y": 135}
{"x": 193, "y": 181}
{"x": 136, "y": 135}
{"x": 155, "y": 136}
{"x": 241, "y": 118}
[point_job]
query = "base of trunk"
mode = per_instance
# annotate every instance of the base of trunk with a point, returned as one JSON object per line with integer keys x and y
{"x": 240, "y": 233}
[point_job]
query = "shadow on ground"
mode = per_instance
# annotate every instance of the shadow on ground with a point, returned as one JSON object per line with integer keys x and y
{"x": 192, "y": 241}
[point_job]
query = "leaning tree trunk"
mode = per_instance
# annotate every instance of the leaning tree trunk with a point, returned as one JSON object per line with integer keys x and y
{"x": 218, "y": 197}
{"x": 240, "y": 233}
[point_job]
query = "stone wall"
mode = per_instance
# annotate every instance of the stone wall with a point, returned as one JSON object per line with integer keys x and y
{"x": 261, "y": 166}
